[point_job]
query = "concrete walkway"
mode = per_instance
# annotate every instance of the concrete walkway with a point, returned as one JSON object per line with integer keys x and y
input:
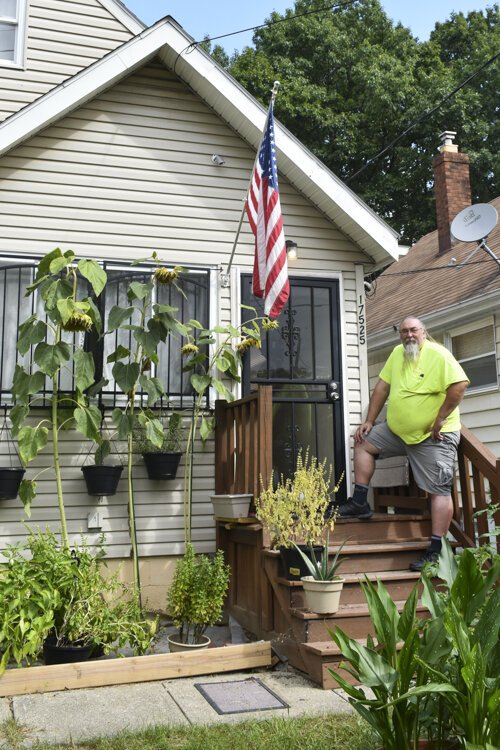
{"x": 80, "y": 715}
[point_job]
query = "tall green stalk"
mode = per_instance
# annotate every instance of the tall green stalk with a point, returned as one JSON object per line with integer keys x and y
{"x": 57, "y": 465}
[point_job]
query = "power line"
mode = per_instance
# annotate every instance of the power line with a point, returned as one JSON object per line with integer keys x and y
{"x": 433, "y": 268}
{"x": 423, "y": 116}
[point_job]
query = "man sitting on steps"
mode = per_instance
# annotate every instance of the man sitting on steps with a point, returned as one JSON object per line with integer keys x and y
{"x": 424, "y": 385}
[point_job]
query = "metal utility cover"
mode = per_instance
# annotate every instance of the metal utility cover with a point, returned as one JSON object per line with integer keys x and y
{"x": 240, "y": 696}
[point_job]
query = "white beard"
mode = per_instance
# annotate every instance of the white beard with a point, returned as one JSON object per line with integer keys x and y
{"x": 411, "y": 353}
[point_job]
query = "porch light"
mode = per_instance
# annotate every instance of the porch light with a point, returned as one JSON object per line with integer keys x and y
{"x": 291, "y": 250}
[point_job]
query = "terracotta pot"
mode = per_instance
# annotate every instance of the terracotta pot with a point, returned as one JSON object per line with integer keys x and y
{"x": 175, "y": 644}
{"x": 322, "y": 597}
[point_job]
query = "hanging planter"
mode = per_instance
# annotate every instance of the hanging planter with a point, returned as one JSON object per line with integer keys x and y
{"x": 101, "y": 479}
{"x": 162, "y": 465}
{"x": 10, "y": 481}
{"x": 10, "y": 476}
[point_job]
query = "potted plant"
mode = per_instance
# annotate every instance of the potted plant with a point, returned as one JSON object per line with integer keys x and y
{"x": 58, "y": 601}
{"x": 296, "y": 512}
{"x": 433, "y": 680}
{"x": 196, "y": 598}
{"x": 323, "y": 586}
{"x": 102, "y": 478}
{"x": 162, "y": 461}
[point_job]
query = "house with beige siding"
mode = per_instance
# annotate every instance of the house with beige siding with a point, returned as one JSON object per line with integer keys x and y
{"x": 454, "y": 287}
{"x": 107, "y": 135}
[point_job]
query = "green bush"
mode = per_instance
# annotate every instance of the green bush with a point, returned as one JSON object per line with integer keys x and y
{"x": 196, "y": 597}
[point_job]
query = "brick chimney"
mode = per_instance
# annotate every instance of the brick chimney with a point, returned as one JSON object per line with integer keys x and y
{"x": 451, "y": 186}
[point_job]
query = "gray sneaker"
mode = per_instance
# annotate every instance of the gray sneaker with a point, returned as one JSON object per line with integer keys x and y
{"x": 350, "y": 509}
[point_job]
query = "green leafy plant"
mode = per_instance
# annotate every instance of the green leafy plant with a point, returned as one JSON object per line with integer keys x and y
{"x": 436, "y": 678}
{"x": 172, "y": 436}
{"x": 47, "y": 589}
{"x": 150, "y": 324}
{"x": 324, "y": 568}
{"x": 466, "y": 629}
{"x": 56, "y": 283}
{"x": 296, "y": 511}
{"x": 214, "y": 355}
{"x": 196, "y": 596}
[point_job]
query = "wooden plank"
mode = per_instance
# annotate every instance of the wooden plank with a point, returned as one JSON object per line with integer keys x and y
{"x": 45, "y": 679}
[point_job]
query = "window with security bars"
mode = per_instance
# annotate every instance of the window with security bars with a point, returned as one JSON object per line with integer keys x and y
{"x": 475, "y": 350}
{"x": 12, "y": 31}
{"x": 191, "y": 302}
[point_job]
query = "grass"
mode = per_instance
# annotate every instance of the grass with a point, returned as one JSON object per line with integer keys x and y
{"x": 329, "y": 732}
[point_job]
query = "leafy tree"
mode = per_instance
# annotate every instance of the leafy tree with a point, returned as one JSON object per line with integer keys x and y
{"x": 352, "y": 81}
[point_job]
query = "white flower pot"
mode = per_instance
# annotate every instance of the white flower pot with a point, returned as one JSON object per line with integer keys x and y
{"x": 231, "y": 506}
{"x": 174, "y": 644}
{"x": 322, "y": 597}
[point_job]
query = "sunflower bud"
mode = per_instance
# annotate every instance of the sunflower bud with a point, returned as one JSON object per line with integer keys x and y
{"x": 248, "y": 343}
{"x": 269, "y": 325}
{"x": 164, "y": 276}
{"x": 189, "y": 349}
{"x": 78, "y": 322}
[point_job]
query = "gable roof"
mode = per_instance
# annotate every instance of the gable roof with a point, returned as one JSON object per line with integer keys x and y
{"x": 167, "y": 40}
{"x": 433, "y": 287}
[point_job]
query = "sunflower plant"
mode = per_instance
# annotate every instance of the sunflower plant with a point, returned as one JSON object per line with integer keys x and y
{"x": 53, "y": 334}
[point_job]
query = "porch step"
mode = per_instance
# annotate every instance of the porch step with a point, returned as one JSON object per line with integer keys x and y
{"x": 385, "y": 556}
{"x": 321, "y": 656}
{"x": 399, "y": 583}
{"x": 382, "y": 527}
{"x": 354, "y": 619}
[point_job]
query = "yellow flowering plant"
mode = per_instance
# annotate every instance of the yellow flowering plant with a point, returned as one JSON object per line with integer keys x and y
{"x": 297, "y": 510}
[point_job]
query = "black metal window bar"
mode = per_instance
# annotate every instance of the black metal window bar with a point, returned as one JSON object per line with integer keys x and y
{"x": 15, "y": 308}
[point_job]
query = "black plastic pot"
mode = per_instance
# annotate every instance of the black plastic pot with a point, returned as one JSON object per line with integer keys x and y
{"x": 102, "y": 479}
{"x": 294, "y": 566}
{"x": 54, "y": 654}
{"x": 162, "y": 465}
{"x": 10, "y": 479}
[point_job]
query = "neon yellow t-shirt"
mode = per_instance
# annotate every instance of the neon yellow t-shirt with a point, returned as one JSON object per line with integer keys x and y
{"x": 418, "y": 390}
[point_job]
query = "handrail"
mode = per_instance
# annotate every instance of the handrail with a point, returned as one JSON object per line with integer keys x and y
{"x": 243, "y": 443}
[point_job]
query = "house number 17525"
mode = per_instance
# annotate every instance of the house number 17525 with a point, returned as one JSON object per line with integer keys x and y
{"x": 361, "y": 321}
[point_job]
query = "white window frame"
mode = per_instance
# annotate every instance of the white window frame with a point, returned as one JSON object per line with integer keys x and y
{"x": 20, "y": 23}
{"x": 469, "y": 328}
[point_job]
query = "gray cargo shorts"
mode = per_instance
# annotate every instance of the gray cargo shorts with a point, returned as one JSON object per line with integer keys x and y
{"x": 432, "y": 461}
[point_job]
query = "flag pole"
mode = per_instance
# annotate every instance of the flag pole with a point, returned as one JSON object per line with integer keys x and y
{"x": 225, "y": 283}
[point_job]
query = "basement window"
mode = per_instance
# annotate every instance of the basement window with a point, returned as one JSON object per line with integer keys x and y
{"x": 475, "y": 349}
{"x": 12, "y": 32}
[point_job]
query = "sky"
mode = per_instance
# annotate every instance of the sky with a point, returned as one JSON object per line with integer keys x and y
{"x": 201, "y": 17}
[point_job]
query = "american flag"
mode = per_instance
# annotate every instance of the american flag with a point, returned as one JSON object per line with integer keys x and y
{"x": 270, "y": 270}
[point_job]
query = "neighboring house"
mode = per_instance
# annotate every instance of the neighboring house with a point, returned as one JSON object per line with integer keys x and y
{"x": 106, "y": 148}
{"x": 460, "y": 304}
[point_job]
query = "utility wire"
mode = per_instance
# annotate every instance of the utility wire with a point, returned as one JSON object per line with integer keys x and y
{"x": 423, "y": 116}
{"x": 434, "y": 268}
{"x": 330, "y": 6}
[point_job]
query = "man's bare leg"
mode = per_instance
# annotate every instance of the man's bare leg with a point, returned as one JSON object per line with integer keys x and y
{"x": 441, "y": 515}
{"x": 357, "y": 506}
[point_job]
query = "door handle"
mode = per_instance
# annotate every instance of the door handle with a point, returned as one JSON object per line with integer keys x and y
{"x": 333, "y": 391}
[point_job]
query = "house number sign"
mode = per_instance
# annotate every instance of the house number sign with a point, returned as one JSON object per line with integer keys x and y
{"x": 361, "y": 320}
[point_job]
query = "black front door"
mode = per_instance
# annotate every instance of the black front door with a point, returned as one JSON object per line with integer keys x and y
{"x": 302, "y": 361}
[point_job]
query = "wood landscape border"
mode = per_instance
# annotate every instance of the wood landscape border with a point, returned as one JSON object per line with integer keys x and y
{"x": 127, "y": 670}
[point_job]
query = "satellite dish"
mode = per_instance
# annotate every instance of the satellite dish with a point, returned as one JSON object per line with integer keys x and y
{"x": 474, "y": 222}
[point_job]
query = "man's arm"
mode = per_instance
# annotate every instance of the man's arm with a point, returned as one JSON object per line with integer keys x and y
{"x": 377, "y": 401}
{"x": 454, "y": 395}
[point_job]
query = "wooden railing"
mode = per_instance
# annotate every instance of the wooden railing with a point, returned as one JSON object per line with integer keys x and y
{"x": 478, "y": 486}
{"x": 244, "y": 443}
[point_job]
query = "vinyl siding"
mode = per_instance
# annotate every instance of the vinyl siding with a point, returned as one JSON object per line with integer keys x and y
{"x": 129, "y": 173}
{"x": 63, "y": 37}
